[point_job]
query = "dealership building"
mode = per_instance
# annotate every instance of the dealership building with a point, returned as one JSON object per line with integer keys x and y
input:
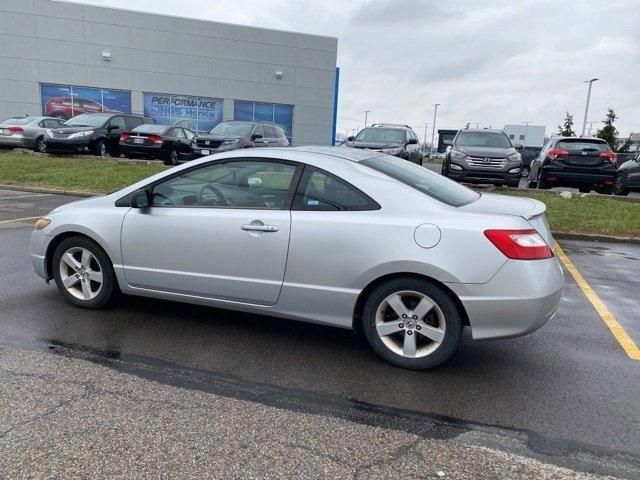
{"x": 62, "y": 59}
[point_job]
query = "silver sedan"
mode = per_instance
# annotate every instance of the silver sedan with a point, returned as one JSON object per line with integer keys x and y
{"x": 26, "y": 132}
{"x": 343, "y": 237}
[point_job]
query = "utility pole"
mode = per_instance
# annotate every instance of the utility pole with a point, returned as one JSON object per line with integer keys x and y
{"x": 526, "y": 126}
{"x": 426, "y": 125}
{"x": 477, "y": 124}
{"x": 591, "y": 126}
{"x": 366, "y": 113}
{"x": 586, "y": 108}
{"x": 433, "y": 127}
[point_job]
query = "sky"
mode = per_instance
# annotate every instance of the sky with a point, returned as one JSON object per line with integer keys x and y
{"x": 489, "y": 62}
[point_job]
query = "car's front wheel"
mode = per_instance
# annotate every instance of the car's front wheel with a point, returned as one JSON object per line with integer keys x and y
{"x": 412, "y": 323}
{"x": 620, "y": 187}
{"x": 41, "y": 145}
{"x": 83, "y": 273}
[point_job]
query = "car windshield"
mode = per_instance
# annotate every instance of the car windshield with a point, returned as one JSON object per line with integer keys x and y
{"x": 232, "y": 128}
{"x": 423, "y": 179}
{"x": 581, "y": 144}
{"x": 18, "y": 120}
{"x": 88, "y": 120}
{"x": 387, "y": 135}
{"x": 150, "y": 128}
{"x": 483, "y": 139}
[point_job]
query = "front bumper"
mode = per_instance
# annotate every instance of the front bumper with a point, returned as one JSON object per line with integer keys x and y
{"x": 198, "y": 151}
{"x": 38, "y": 244}
{"x": 518, "y": 300}
{"x": 74, "y": 145}
{"x": 485, "y": 176}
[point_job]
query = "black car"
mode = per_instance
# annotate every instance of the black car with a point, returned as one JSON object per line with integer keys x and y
{"x": 232, "y": 135}
{"x": 628, "y": 178}
{"x": 166, "y": 142}
{"x": 528, "y": 155}
{"x": 92, "y": 133}
{"x": 483, "y": 156}
{"x": 583, "y": 163}
{"x": 393, "y": 139}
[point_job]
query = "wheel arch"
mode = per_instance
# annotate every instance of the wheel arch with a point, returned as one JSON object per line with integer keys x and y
{"x": 364, "y": 294}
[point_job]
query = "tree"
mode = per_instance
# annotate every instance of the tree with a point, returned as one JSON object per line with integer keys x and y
{"x": 608, "y": 132}
{"x": 625, "y": 146}
{"x": 566, "y": 129}
{"x": 467, "y": 126}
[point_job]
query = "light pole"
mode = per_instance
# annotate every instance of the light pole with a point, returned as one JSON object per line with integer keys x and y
{"x": 366, "y": 114}
{"x": 477, "y": 124}
{"x": 586, "y": 108}
{"x": 433, "y": 127}
{"x": 426, "y": 125}
{"x": 526, "y": 126}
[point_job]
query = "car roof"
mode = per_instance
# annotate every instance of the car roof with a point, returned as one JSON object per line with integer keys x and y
{"x": 479, "y": 130}
{"x": 346, "y": 153}
{"x": 589, "y": 139}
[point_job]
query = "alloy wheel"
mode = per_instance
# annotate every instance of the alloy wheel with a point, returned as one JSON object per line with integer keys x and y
{"x": 103, "y": 150}
{"x": 410, "y": 324}
{"x": 81, "y": 273}
{"x": 620, "y": 186}
{"x": 173, "y": 156}
{"x": 41, "y": 146}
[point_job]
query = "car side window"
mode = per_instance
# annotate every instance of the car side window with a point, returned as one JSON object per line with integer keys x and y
{"x": 269, "y": 131}
{"x": 133, "y": 122}
{"x": 189, "y": 134}
{"x": 118, "y": 122}
{"x": 252, "y": 184}
{"x": 178, "y": 133}
{"x": 259, "y": 130}
{"x": 50, "y": 123}
{"x": 321, "y": 191}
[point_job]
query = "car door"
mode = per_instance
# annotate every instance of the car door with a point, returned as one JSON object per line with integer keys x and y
{"x": 114, "y": 129}
{"x": 633, "y": 176}
{"x": 180, "y": 142}
{"x": 218, "y": 231}
{"x": 258, "y": 138}
{"x": 190, "y": 136}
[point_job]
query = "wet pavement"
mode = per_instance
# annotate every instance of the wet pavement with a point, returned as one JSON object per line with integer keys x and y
{"x": 566, "y": 395}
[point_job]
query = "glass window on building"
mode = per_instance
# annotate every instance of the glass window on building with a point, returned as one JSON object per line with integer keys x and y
{"x": 281, "y": 115}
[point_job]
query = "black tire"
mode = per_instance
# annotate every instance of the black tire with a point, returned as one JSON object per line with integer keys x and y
{"x": 40, "y": 145}
{"x": 173, "y": 157}
{"x": 101, "y": 149}
{"x": 108, "y": 287}
{"x": 620, "y": 187}
{"x": 447, "y": 307}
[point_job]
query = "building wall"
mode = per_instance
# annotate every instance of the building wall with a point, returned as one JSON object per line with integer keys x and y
{"x": 534, "y": 134}
{"x": 47, "y": 41}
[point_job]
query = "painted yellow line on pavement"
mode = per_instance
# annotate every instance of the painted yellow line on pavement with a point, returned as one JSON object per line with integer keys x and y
{"x": 19, "y": 219}
{"x": 623, "y": 338}
{"x": 25, "y": 196}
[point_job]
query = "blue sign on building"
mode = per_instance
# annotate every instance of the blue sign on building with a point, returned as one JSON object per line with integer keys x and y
{"x": 199, "y": 114}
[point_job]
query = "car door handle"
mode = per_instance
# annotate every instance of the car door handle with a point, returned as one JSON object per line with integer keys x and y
{"x": 259, "y": 228}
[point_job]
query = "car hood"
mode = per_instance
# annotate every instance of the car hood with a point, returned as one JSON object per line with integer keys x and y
{"x": 374, "y": 145}
{"x": 486, "y": 151}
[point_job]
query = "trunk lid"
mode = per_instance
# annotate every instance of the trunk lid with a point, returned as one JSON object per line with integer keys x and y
{"x": 584, "y": 155}
{"x": 531, "y": 210}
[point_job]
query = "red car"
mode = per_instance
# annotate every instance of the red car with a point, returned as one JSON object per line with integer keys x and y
{"x": 62, "y": 108}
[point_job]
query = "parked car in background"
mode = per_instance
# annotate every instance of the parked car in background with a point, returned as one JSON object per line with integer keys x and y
{"x": 390, "y": 138}
{"x": 232, "y": 135}
{"x": 95, "y": 133}
{"x": 628, "y": 177}
{"x": 68, "y": 107}
{"x": 166, "y": 142}
{"x": 483, "y": 156}
{"x": 26, "y": 132}
{"x": 528, "y": 155}
{"x": 279, "y": 231}
{"x": 583, "y": 163}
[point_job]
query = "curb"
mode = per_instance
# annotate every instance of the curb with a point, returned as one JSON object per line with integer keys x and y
{"x": 51, "y": 191}
{"x": 617, "y": 198}
{"x": 592, "y": 237}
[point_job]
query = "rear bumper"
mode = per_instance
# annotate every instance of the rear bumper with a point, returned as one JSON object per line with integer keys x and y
{"x": 562, "y": 177}
{"x": 148, "y": 150}
{"x": 518, "y": 300}
{"x": 15, "y": 141}
{"x": 484, "y": 176}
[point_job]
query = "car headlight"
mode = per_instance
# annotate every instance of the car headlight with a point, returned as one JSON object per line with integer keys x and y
{"x": 81, "y": 134}
{"x": 230, "y": 142}
{"x": 457, "y": 155}
{"x": 515, "y": 170}
{"x": 391, "y": 151}
{"x": 516, "y": 157}
{"x": 453, "y": 166}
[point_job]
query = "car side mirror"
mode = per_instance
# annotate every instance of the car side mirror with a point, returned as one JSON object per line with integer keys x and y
{"x": 518, "y": 146}
{"x": 112, "y": 127}
{"x": 257, "y": 136}
{"x": 350, "y": 139}
{"x": 141, "y": 199}
{"x": 412, "y": 141}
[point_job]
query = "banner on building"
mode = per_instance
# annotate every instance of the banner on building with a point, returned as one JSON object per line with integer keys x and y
{"x": 199, "y": 114}
{"x": 67, "y": 101}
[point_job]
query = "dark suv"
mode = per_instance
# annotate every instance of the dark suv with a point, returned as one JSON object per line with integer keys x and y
{"x": 393, "y": 139}
{"x": 232, "y": 135}
{"x": 583, "y": 163}
{"x": 96, "y": 133}
{"x": 483, "y": 156}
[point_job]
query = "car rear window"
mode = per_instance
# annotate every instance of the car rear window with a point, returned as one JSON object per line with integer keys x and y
{"x": 580, "y": 144}
{"x": 18, "y": 120}
{"x": 423, "y": 180}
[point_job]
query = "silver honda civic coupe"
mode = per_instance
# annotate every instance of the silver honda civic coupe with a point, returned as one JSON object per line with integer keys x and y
{"x": 332, "y": 235}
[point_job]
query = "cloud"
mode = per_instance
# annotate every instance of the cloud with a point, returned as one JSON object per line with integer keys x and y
{"x": 492, "y": 62}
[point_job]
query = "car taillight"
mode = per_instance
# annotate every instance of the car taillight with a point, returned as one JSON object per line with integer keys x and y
{"x": 155, "y": 138}
{"x": 612, "y": 156}
{"x": 125, "y": 136}
{"x": 16, "y": 130}
{"x": 520, "y": 244}
{"x": 557, "y": 153}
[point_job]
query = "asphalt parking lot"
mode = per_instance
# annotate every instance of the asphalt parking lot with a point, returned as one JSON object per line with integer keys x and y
{"x": 160, "y": 388}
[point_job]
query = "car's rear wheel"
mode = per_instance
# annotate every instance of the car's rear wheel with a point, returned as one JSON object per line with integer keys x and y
{"x": 83, "y": 272}
{"x": 412, "y": 323}
{"x": 620, "y": 187}
{"x": 41, "y": 145}
{"x": 172, "y": 157}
